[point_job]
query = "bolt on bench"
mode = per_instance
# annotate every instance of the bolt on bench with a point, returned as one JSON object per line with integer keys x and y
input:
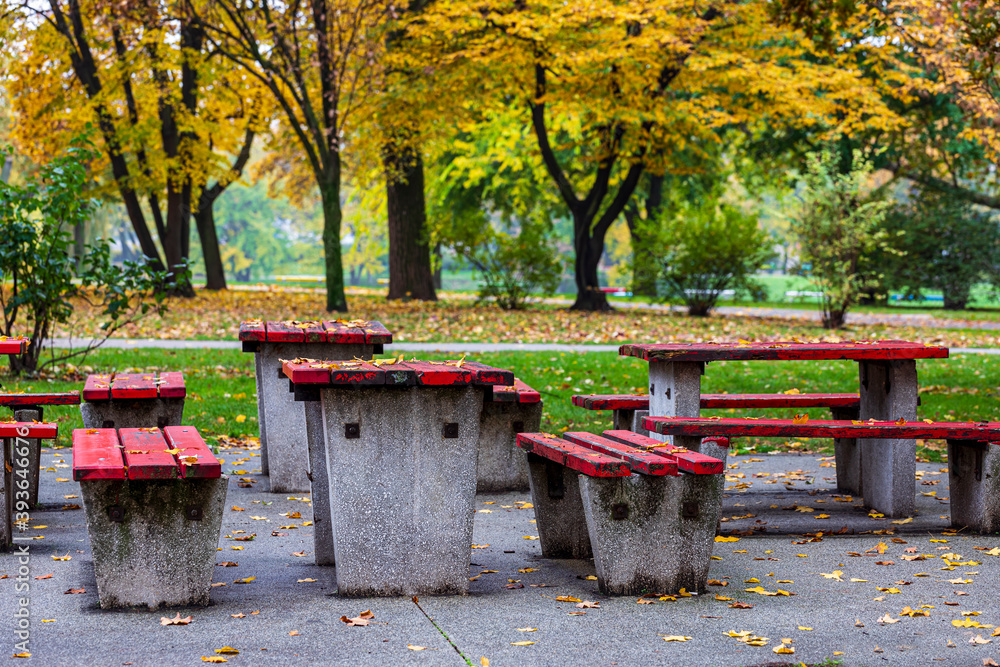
{"x": 17, "y": 472}
{"x": 514, "y": 409}
{"x": 133, "y": 400}
{"x": 154, "y": 501}
{"x": 283, "y": 447}
{"x": 645, "y": 509}
{"x": 399, "y": 449}
{"x": 973, "y": 465}
{"x": 29, "y": 408}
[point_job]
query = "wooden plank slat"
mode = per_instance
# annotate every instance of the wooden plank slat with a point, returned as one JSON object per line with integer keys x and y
{"x": 525, "y": 394}
{"x": 13, "y": 429}
{"x": 97, "y": 388}
{"x": 376, "y": 334}
{"x": 722, "y": 401}
{"x": 134, "y": 385}
{"x": 195, "y": 459}
{"x": 13, "y": 345}
{"x": 306, "y": 372}
{"x": 355, "y": 373}
{"x": 346, "y": 332}
{"x": 709, "y": 426}
{"x": 146, "y": 455}
{"x": 437, "y": 374}
{"x": 488, "y": 375}
{"x": 284, "y": 332}
{"x": 96, "y": 454}
{"x": 171, "y": 385}
{"x": 791, "y": 351}
{"x": 573, "y": 456}
{"x": 639, "y": 460}
{"x": 693, "y": 463}
{"x": 399, "y": 375}
{"x": 20, "y": 400}
{"x": 253, "y": 330}
{"x": 313, "y": 332}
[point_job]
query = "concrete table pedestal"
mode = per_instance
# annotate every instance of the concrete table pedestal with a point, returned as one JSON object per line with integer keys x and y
{"x": 154, "y": 504}
{"x": 400, "y": 446}
{"x": 284, "y": 449}
{"x": 515, "y": 409}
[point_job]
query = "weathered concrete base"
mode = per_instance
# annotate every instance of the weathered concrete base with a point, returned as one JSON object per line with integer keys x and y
{"x": 283, "y": 443}
{"x": 401, "y": 493}
{"x": 34, "y": 452}
{"x": 261, "y": 423}
{"x": 630, "y": 420}
{"x": 651, "y": 534}
{"x": 6, "y": 494}
{"x": 133, "y": 413}
{"x": 888, "y": 470}
{"x": 848, "y": 456}
{"x": 501, "y": 464}
{"x": 156, "y": 555}
{"x": 320, "y": 479}
{"x": 559, "y": 516}
{"x": 974, "y": 476}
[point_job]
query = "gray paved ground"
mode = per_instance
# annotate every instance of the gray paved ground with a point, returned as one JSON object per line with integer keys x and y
{"x": 485, "y": 623}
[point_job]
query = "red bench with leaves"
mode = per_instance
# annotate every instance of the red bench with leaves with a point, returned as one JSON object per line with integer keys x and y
{"x": 973, "y": 461}
{"x": 19, "y": 468}
{"x": 13, "y": 345}
{"x": 625, "y": 406}
{"x": 154, "y": 501}
{"x": 622, "y": 497}
{"x": 134, "y": 400}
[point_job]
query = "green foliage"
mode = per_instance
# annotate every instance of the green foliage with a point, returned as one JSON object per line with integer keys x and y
{"x": 38, "y": 273}
{"x": 711, "y": 247}
{"x": 947, "y": 245}
{"x": 838, "y": 225}
{"x": 512, "y": 267}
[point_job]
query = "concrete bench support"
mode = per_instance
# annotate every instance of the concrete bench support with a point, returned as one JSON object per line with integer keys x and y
{"x": 651, "y": 534}
{"x": 284, "y": 449}
{"x": 974, "y": 476}
{"x": 133, "y": 413}
{"x": 320, "y": 484}
{"x": 848, "y": 457}
{"x": 34, "y": 452}
{"x": 157, "y": 554}
{"x": 559, "y": 515}
{"x": 501, "y": 464}
{"x": 888, "y": 393}
{"x": 402, "y": 486}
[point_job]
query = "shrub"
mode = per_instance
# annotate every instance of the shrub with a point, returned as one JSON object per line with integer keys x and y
{"x": 838, "y": 225}
{"x": 39, "y": 276}
{"x": 711, "y": 248}
{"x": 948, "y": 245}
{"x": 512, "y": 267}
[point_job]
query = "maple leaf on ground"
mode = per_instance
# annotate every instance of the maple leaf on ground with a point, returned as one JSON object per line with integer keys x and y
{"x": 888, "y": 619}
{"x": 362, "y": 619}
{"x": 588, "y": 604}
{"x": 176, "y": 620}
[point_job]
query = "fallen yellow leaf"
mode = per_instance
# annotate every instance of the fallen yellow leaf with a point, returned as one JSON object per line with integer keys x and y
{"x": 676, "y": 638}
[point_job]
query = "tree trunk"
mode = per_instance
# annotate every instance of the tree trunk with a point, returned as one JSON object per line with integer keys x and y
{"x": 215, "y": 274}
{"x": 335, "y": 299}
{"x": 410, "y": 275}
{"x": 588, "y": 255}
{"x": 956, "y": 299}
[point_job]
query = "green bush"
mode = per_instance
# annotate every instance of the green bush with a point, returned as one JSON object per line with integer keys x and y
{"x": 39, "y": 274}
{"x": 710, "y": 248}
{"x": 512, "y": 267}
{"x": 838, "y": 225}
{"x": 947, "y": 245}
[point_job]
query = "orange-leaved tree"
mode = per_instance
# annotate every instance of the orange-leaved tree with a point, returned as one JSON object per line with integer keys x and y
{"x": 617, "y": 88}
{"x": 174, "y": 123}
{"x": 317, "y": 60}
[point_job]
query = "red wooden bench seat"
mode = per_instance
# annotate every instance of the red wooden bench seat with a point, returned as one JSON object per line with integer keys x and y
{"x": 134, "y": 386}
{"x": 518, "y": 392}
{"x": 721, "y": 401}
{"x": 142, "y": 453}
{"x": 330, "y": 331}
{"x": 18, "y": 401}
{"x": 13, "y": 345}
{"x": 789, "y": 428}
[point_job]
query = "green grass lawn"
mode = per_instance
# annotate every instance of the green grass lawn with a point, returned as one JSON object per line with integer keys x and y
{"x": 221, "y": 387}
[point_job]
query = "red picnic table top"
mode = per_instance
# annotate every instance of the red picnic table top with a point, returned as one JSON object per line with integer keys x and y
{"x": 13, "y": 345}
{"x": 134, "y": 385}
{"x": 784, "y": 350}
{"x": 142, "y": 453}
{"x": 392, "y": 372}
{"x": 336, "y": 331}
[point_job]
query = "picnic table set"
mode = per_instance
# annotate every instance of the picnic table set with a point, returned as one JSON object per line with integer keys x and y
{"x": 394, "y": 451}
